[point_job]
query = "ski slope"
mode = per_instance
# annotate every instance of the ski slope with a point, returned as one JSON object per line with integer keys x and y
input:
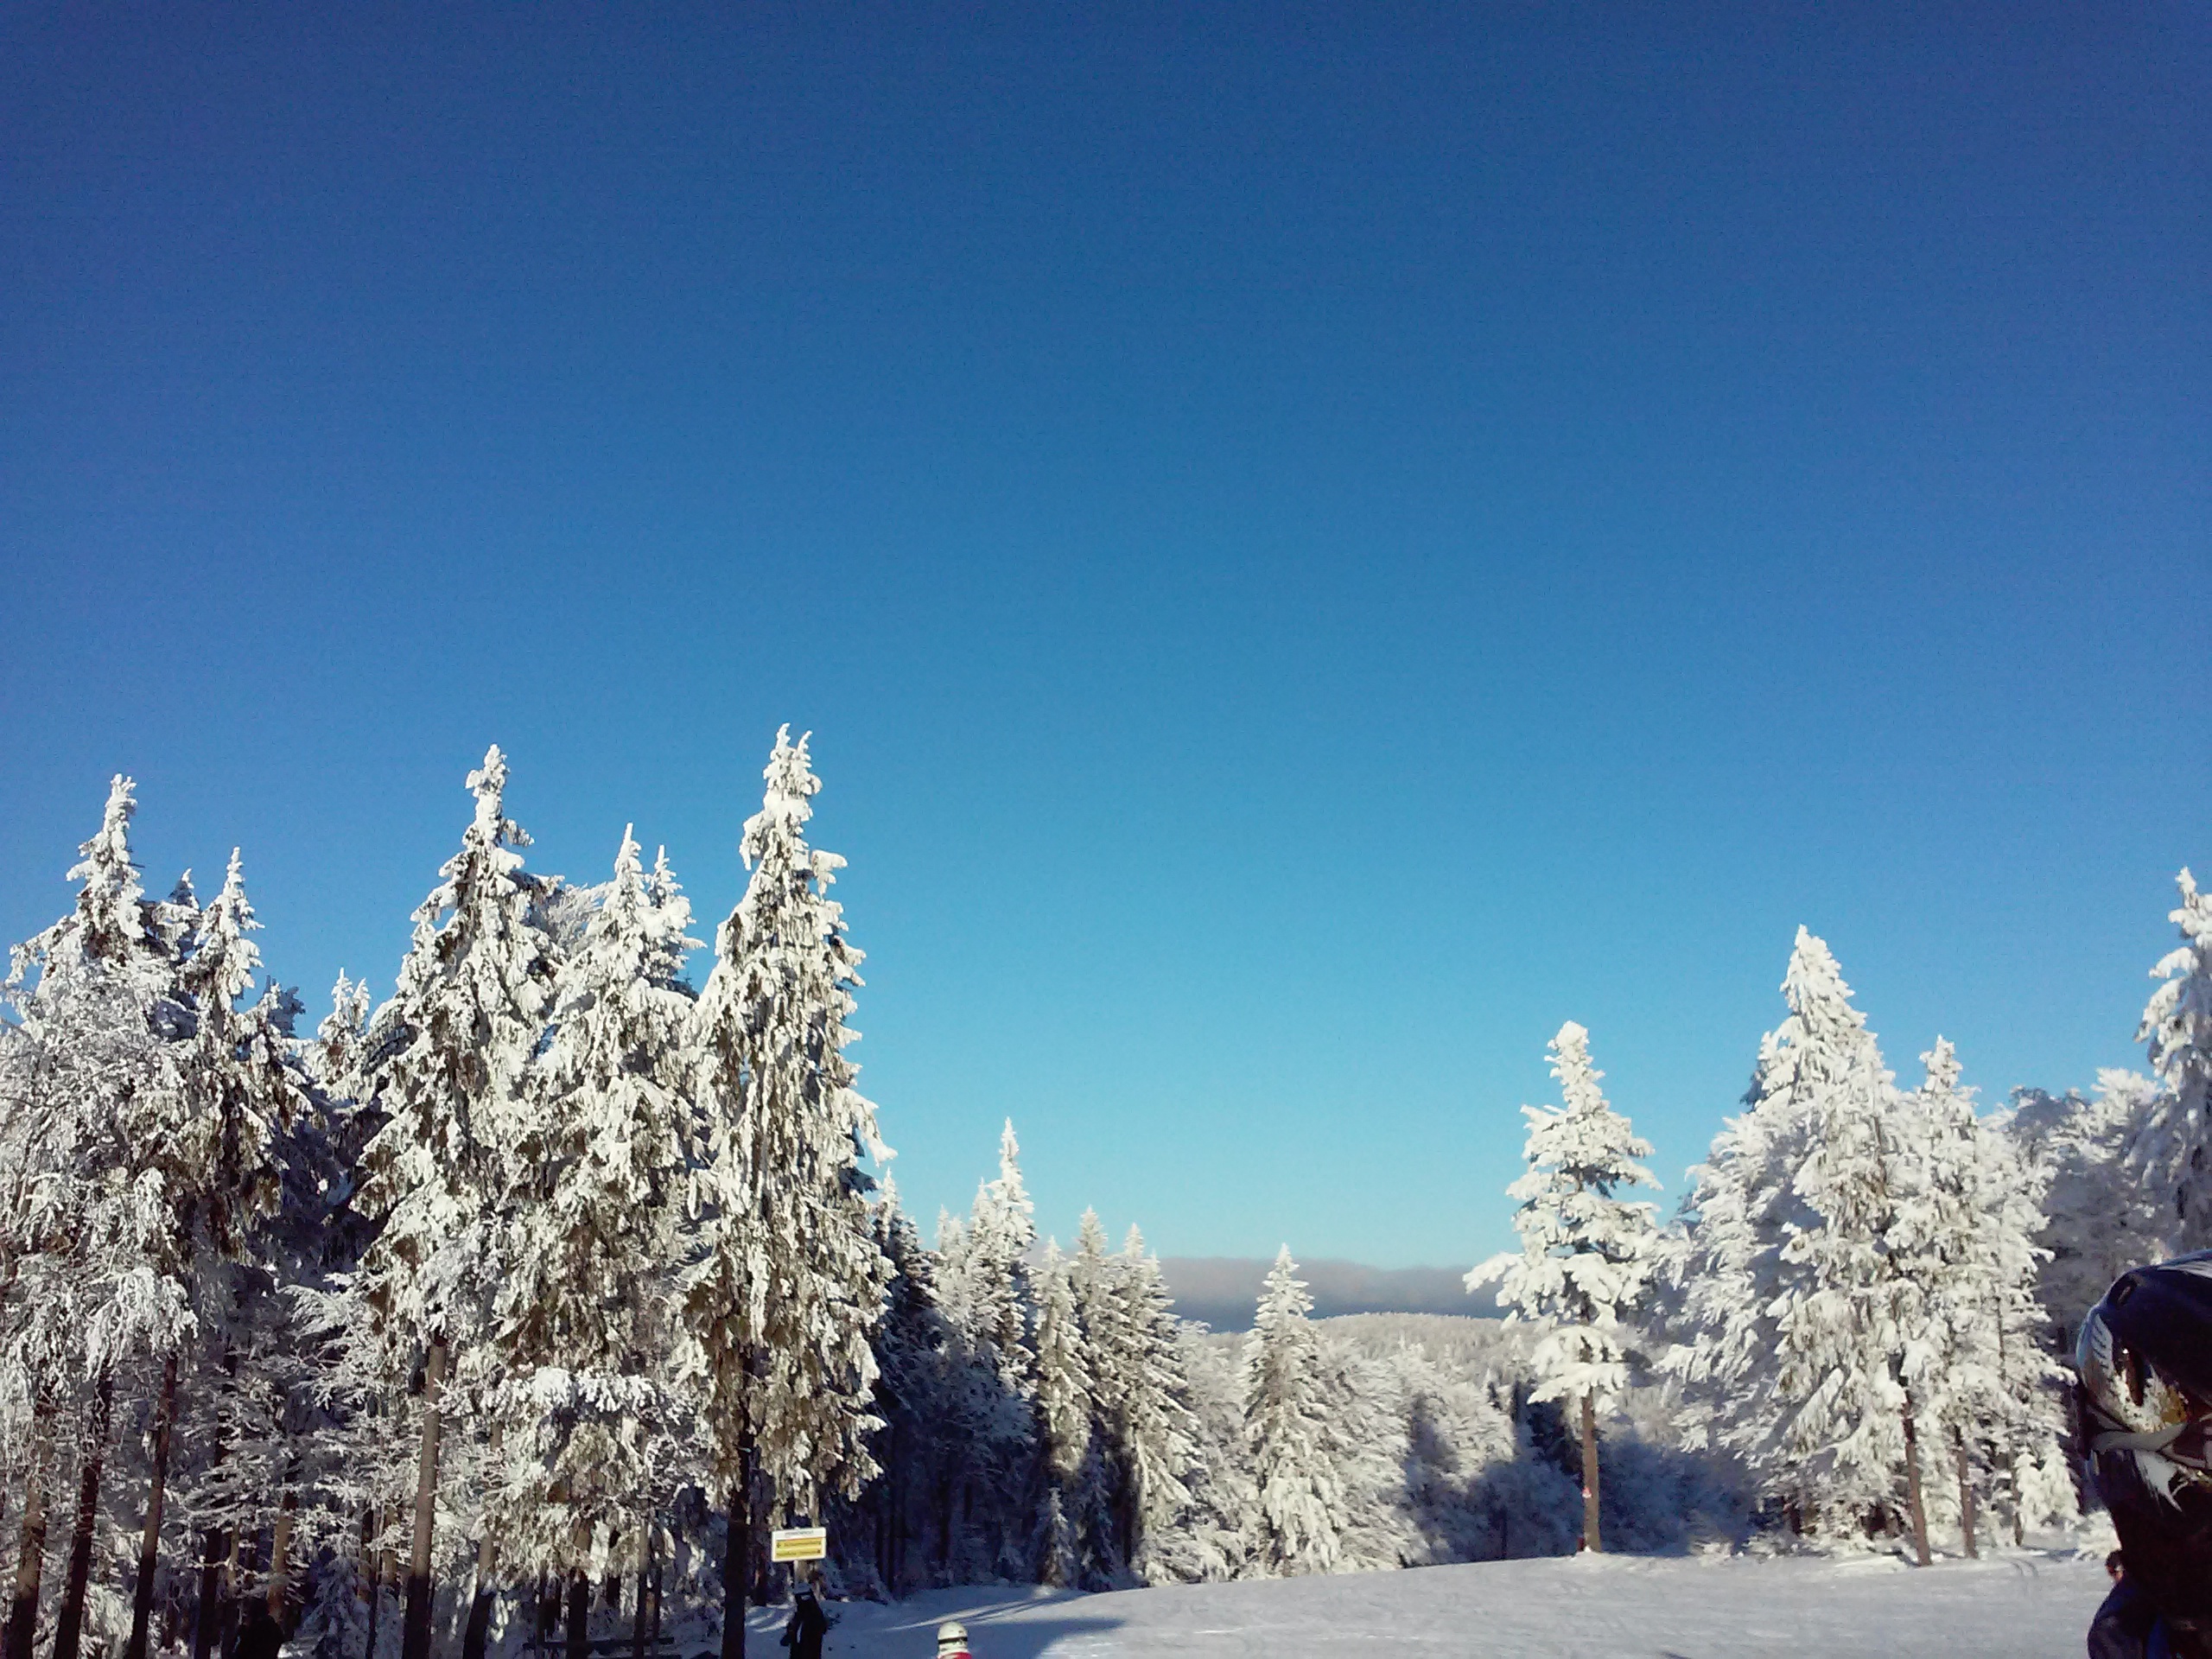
{"x": 2022, "y": 1607}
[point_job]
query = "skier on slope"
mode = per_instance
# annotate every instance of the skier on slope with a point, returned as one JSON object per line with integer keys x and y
{"x": 2144, "y": 1393}
{"x": 952, "y": 1640}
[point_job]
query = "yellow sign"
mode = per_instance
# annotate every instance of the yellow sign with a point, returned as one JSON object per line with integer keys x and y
{"x": 799, "y": 1543}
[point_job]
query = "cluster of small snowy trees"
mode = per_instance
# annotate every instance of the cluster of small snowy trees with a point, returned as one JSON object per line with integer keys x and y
{"x": 1864, "y": 1302}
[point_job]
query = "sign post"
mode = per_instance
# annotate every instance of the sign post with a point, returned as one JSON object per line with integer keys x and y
{"x": 798, "y": 1543}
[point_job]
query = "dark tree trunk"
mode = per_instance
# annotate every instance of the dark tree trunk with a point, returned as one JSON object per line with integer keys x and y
{"x": 415, "y": 1636}
{"x": 206, "y": 1620}
{"x": 69, "y": 1624}
{"x": 31, "y": 1558}
{"x": 1590, "y": 1474}
{"x": 1918, "y": 1510}
{"x": 579, "y": 1615}
{"x": 610, "y": 1587}
{"x": 280, "y": 1561}
{"x": 638, "y": 1615}
{"x": 234, "y": 1575}
{"x": 149, "y": 1545}
{"x": 478, "y": 1635}
{"x": 1965, "y": 1496}
{"x": 372, "y": 1570}
{"x": 737, "y": 1559}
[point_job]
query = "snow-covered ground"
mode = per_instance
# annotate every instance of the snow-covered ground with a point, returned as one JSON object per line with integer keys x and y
{"x": 2024, "y": 1607}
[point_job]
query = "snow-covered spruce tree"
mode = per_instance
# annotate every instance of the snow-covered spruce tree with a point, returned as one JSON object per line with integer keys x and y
{"x": 984, "y": 1290}
{"x": 1299, "y": 1507}
{"x": 1155, "y": 1431}
{"x": 1962, "y": 1235}
{"x": 224, "y": 1153}
{"x": 2098, "y": 1220}
{"x": 1586, "y": 1255}
{"x": 915, "y": 1398}
{"x": 450, "y": 1070}
{"x": 1077, "y": 1550}
{"x": 1855, "y": 1315}
{"x": 789, "y": 1278}
{"x": 583, "y": 1415}
{"x": 101, "y": 1018}
{"x": 2172, "y": 1152}
{"x": 1791, "y": 1323}
{"x": 1102, "y": 1319}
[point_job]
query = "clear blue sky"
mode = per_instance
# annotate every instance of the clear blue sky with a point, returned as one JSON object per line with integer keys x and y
{"x": 1316, "y": 542}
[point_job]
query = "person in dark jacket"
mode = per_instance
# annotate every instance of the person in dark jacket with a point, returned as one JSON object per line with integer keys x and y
{"x": 2143, "y": 1392}
{"x": 808, "y": 1623}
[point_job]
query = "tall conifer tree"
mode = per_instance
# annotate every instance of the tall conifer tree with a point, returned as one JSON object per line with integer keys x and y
{"x": 455, "y": 1046}
{"x": 790, "y": 1279}
{"x": 1586, "y": 1255}
{"x": 2173, "y": 1151}
{"x": 1301, "y": 1507}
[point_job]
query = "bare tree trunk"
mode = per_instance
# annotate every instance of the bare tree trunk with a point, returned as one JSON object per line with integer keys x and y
{"x": 478, "y": 1634}
{"x": 206, "y": 1617}
{"x": 638, "y": 1615}
{"x": 737, "y": 1557}
{"x": 579, "y": 1614}
{"x": 69, "y": 1625}
{"x": 31, "y": 1558}
{"x": 280, "y": 1559}
{"x": 415, "y": 1636}
{"x": 1590, "y": 1474}
{"x": 235, "y": 1567}
{"x": 149, "y": 1546}
{"x": 1919, "y": 1510}
{"x": 1965, "y": 1494}
{"x": 373, "y": 1570}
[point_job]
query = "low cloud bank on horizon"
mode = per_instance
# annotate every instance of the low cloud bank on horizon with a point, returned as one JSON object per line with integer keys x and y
{"x": 1224, "y": 1291}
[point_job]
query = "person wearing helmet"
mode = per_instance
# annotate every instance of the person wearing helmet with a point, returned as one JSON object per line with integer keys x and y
{"x": 2145, "y": 1396}
{"x": 952, "y": 1640}
{"x": 808, "y": 1623}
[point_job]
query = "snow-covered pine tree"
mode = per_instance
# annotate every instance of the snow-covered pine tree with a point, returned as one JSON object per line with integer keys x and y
{"x": 1849, "y": 1325}
{"x": 101, "y": 1016}
{"x": 1155, "y": 1430}
{"x": 2098, "y": 1220}
{"x": 1789, "y": 1330}
{"x": 1299, "y": 1506}
{"x": 1077, "y": 1523}
{"x": 984, "y": 1290}
{"x": 221, "y": 1154}
{"x": 450, "y": 1069}
{"x": 579, "y": 1333}
{"x": 1962, "y": 1235}
{"x": 1102, "y": 1319}
{"x": 2172, "y": 1153}
{"x": 334, "y": 1058}
{"x": 791, "y": 1277}
{"x": 1587, "y": 1254}
{"x": 916, "y": 1399}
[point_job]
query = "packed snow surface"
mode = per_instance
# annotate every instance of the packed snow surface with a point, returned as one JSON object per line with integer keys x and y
{"x": 2021, "y": 1606}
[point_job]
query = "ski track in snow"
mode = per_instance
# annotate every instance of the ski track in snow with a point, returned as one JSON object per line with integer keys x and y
{"x": 2018, "y": 1607}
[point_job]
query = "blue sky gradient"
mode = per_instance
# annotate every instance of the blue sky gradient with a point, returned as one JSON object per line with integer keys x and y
{"x": 1316, "y": 542}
